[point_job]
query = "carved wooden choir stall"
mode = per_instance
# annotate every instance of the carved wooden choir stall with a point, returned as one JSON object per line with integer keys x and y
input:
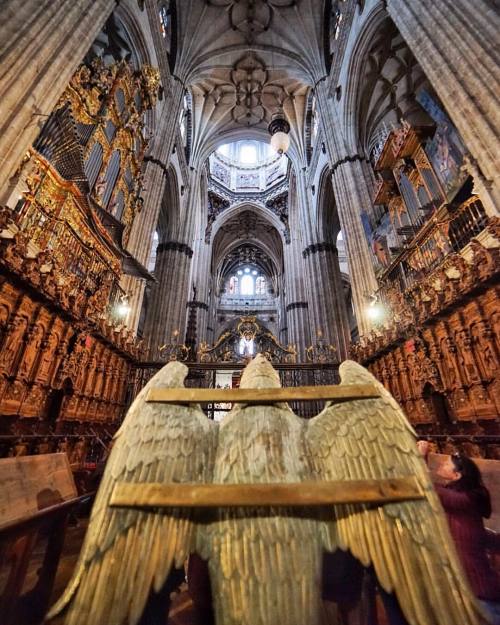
{"x": 64, "y": 354}
{"x": 438, "y": 347}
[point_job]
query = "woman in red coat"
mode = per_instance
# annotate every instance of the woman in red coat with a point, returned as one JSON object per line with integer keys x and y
{"x": 467, "y": 502}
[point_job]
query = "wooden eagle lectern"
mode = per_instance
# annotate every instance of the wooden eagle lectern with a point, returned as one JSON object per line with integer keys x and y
{"x": 278, "y": 491}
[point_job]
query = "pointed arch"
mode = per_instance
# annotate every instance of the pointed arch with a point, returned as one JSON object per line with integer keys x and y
{"x": 327, "y": 215}
{"x": 169, "y": 215}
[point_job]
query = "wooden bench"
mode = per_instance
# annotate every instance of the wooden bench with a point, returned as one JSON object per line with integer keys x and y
{"x": 37, "y": 493}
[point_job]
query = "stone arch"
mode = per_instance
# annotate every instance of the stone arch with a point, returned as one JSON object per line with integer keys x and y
{"x": 326, "y": 211}
{"x": 382, "y": 77}
{"x": 169, "y": 215}
{"x": 237, "y": 209}
{"x": 127, "y": 15}
{"x": 259, "y": 239}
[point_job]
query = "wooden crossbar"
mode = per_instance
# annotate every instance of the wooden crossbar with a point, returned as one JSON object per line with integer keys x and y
{"x": 338, "y": 393}
{"x": 152, "y": 495}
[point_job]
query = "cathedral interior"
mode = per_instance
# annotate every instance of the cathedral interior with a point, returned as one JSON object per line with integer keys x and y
{"x": 203, "y": 181}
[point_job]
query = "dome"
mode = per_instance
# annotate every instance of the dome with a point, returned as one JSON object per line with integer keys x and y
{"x": 247, "y": 166}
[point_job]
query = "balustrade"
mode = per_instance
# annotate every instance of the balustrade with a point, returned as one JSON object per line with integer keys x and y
{"x": 449, "y": 231}
{"x": 204, "y": 375}
{"x": 466, "y": 222}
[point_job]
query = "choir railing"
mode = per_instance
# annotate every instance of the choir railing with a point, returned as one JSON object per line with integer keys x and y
{"x": 204, "y": 375}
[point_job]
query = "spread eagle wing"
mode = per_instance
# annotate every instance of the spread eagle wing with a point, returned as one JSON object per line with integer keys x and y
{"x": 264, "y": 562}
{"x": 128, "y": 553}
{"x": 408, "y": 543}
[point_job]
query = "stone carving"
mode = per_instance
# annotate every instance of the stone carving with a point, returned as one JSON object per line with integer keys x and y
{"x": 12, "y": 344}
{"x": 251, "y": 17}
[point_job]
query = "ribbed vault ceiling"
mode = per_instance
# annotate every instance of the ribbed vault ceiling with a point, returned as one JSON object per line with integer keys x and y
{"x": 242, "y": 60}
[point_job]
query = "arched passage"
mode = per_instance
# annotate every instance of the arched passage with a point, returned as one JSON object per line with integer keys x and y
{"x": 247, "y": 268}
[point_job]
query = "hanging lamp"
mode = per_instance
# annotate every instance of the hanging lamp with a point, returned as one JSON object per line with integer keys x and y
{"x": 279, "y": 129}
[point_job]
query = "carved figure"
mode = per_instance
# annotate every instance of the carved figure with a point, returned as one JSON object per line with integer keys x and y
{"x": 12, "y": 345}
{"x": 31, "y": 351}
{"x": 48, "y": 356}
{"x": 485, "y": 348}
{"x": 79, "y": 451}
{"x": 466, "y": 357}
{"x": 128, "y": 553}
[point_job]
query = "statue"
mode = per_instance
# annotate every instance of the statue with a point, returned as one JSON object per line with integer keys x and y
{"x": 15, "y": 333}
{"x": 291, "y": 355}
{"x": 31, "y": 351}
{"x": 204, "y": 352}
{"x": 48, "y": 356}
{"x": 246, "y": 344}
{"x": 79, "y": 452}
{"x": 265, "y": 563}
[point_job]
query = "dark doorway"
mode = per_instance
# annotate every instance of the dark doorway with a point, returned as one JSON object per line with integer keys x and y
{"x": 437, "y": 405}
{"x": 56, "y": 400}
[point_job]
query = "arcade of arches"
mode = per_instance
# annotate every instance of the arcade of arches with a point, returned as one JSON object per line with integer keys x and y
{"x": 144, "y": 216}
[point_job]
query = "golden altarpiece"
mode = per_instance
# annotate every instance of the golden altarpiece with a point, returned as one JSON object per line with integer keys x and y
{"x": 65, "y": 355}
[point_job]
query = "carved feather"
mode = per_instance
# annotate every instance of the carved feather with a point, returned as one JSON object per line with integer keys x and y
{"x": 408, "y": 543}
{"x": 127, "y": 554}
{"x": 264, "y": 562}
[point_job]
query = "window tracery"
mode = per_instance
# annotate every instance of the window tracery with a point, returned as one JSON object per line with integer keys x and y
{"x": 247, "y": 282}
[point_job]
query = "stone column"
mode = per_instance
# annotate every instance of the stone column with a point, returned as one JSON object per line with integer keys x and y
{"x": 327, "y": 293}
{"x": 297, "y": 296}
{"x": 141, "y": 234}
{"x": 353, "y": 195}
{"x": 169, "y": 297}
{"x": 352, "y": 189}
{"x": 297, "y": 305}
{"x": 167, "y": 313}
{"x": 454, "y": 42}
{"x": 326, "y": 301}
{"x": 200, "y": 272}
{"x": 42, "y": 42}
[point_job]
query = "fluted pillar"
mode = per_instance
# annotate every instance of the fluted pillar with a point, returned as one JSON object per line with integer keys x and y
{"x": 297, "y": 305}
{"x": 42, "y": 42}
{"x": 168, "y": 311}
{"x": 200, "y": 271}
{"x": 327, "y": 293}
{"x": 326, "y": 300}
{"x": 352, "y": 189}
{"x": 141, "y": 240}
{"x": 143, "y": 227}
{"x": 454, "y": 42}
{"x": 166, "y": 316}
{"x": 352, "y": 195}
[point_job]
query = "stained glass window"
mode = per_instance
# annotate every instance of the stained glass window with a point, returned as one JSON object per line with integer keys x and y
{"x": 247, "y": 285}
